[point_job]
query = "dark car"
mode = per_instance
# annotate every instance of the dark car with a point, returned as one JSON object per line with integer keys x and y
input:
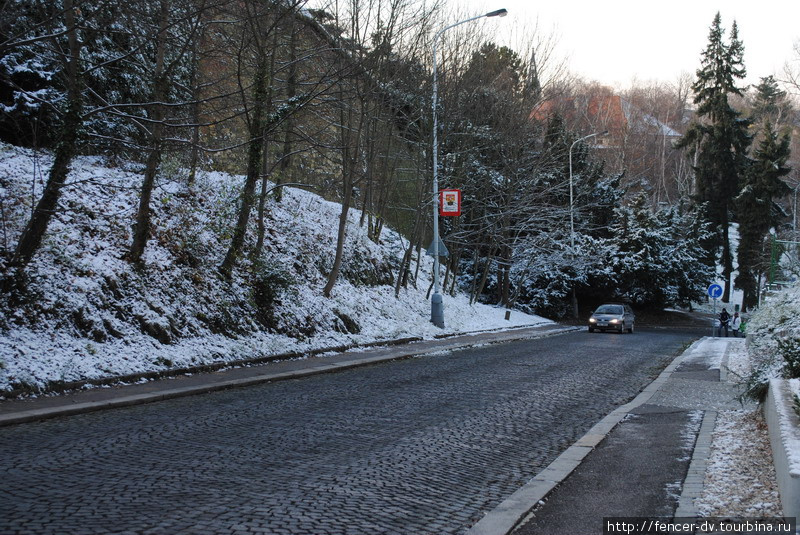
{"x": 612, "y": 317}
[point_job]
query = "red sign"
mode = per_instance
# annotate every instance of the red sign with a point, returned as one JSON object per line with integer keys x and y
{"x": 450, "y": 202}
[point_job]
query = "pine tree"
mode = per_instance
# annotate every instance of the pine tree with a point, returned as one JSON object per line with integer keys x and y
{"x": 756, "y": 210}
{"x": 769, "y": 101}
{"x": 660, "y": 261}
{"x": 719, "y": 139}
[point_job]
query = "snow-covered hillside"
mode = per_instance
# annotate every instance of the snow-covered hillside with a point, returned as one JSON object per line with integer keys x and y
{"x": 88, "y": 313}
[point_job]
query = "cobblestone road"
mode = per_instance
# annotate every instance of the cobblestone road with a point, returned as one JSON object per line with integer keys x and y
{"x": 420, "y": 446}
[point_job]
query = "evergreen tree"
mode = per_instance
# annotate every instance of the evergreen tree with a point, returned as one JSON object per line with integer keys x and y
{"x": 719, "y": 139}
{"x": 769, "y": 101}
{"x": 35, "y": 77}
{"x": 660, "y": 260}
{"x": 756, "y": 210}
{"x": 31, "y": 81}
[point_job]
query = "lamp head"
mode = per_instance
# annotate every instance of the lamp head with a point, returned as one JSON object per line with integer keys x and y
{"x": 498, "y": 13}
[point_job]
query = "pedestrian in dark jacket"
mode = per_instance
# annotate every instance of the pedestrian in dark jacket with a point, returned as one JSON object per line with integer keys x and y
{"x": 724, "y": 320}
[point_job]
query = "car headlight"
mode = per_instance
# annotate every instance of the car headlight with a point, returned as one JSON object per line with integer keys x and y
{"x": 592, "y": 320}
{"x": 614, "y": 321}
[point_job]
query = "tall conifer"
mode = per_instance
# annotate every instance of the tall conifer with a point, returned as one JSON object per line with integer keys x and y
{"x": 769, "y": 101}
{"x": 756, "y": 211}
{"x": 719, "y": 137}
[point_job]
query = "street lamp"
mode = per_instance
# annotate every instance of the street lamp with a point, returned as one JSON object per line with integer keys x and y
{"x": 572, "y": 217}
{"x": 437, "y": 304}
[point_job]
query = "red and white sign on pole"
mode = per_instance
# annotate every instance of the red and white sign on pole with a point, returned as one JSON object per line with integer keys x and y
{"x": 450, "y": 202}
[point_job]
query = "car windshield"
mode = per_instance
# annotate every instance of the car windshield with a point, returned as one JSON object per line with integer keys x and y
{"x": 609, "y": 309}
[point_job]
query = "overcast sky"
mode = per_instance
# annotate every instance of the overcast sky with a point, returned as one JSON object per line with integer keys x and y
{"x": 618, "y": 40}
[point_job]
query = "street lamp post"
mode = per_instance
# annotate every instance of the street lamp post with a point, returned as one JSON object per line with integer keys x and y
{"x": 794, "y": 222}
{"x": 437, "y": 304}
{"x": 572, "y": 217}
{"x": 794, "y": 211}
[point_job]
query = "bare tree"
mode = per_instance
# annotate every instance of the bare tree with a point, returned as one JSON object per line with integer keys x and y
{"x": 373, "y": 30}
{"x": 255, "y": 77}
{"x": 791, "y": 70}
{"x": 34, "y": 231}
{"x": 173, "y": 44}
{"x": 254, "y": 64}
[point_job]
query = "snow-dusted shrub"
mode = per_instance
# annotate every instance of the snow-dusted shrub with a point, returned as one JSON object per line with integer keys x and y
{"x": 789, "y": 349}
{"x": 543, "y": 272}
{"x": 660, "y": 260}
{"x": 774, "y": 341}
{"x": 269, "y": 283}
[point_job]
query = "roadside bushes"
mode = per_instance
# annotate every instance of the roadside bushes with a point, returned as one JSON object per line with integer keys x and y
{"x": 774, "y": 342}
{"x": 269, "y": 283}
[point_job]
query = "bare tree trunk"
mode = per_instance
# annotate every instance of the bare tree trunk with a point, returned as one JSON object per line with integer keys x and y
{"x": 255, "y": 148}
{"x": 350, "y": 132}
{"x": 405, "y": 264}
{"x": 727, "y": 261}
{"x": 474, "y": 285}
{"x": 456, "y": 264}
{"x": 485, "y": 275}
{"x": 31, "y": 238}
{"x": 142, "y": 226}
{"x": 194, "y": 155}
{"x": 452, "y": 271}
{"x": 340, "y": 237}
{"x": 402, "y": 272}
{"x": 291, "y": 93}
{"x": 262, "y": 206}
{"x": 262, "y": 199}
{"x": 505, "y": 283}
{"x": 419, "y": 261}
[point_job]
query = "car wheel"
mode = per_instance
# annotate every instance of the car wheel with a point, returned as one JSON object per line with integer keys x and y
{"x": 591, "y": 330}
{"x": 630, "y": 329}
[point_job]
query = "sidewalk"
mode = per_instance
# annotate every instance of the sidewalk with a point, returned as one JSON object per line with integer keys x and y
{"x": 17, "y": 411}
{"x": 645, "y": 459}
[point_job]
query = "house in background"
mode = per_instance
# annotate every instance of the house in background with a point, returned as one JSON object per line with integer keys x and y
{"x": 611, "y": 113}
{"x": 638, "y": 144}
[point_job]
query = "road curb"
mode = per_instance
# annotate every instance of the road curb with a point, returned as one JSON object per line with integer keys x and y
{"x": 315, "y": 368}
{"x": 692, "y": 485}
{"x": 516, "y": 509}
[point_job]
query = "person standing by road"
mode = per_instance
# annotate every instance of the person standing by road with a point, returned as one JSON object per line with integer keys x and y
{"x": 736, "y": 323}
{"x": 724, "y": 322}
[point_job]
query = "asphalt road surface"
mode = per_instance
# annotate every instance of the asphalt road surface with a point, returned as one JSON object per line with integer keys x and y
{"x": 420, "y": 446}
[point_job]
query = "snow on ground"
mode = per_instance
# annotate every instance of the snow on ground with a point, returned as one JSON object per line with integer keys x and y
{"x": 710, "y": 351}
{"x": 35, "y": 357}
{"x": 740, "y": 475}
{"x": 792, "y": 436}
{"x": 740, "y": 478}
{"x": 91, "y": 314}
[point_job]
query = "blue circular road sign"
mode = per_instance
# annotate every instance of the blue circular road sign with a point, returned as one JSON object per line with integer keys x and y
{"x": 715, "y": 291}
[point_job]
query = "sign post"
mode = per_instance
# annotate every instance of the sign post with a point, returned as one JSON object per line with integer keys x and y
{"x": 715, "y": 292}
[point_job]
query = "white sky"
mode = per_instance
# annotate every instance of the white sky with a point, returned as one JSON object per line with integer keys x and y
{"x": 616, "y": 41}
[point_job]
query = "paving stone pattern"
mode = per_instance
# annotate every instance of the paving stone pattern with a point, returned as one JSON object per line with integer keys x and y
{"x": 421, "y": 446}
